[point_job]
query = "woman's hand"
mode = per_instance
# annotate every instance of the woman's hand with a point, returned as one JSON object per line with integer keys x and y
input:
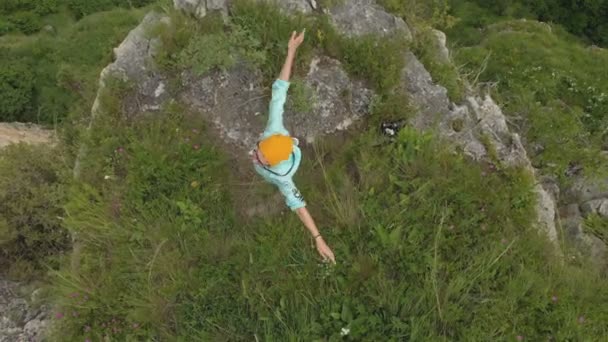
{"x": 295, "y": 41}
{"x": 324, "y": 250}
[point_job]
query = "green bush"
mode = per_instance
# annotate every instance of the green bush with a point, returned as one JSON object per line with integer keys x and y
{"x": 16, "y": 87}
{"x": 6, "y": 26}
{"x": 82, "y": 8}
{"x": 32, "y": 194}
{"x": 26, "y": 22}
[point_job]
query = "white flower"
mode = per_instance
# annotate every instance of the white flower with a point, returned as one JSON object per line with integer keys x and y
{"x": 344, "y": 331}
{"x": 107, "y": 177}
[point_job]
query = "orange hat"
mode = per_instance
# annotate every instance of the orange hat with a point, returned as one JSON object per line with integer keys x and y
{"x": 276, "y": 148}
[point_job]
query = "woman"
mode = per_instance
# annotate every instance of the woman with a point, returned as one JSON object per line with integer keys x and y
{"x": 277, "y": 156}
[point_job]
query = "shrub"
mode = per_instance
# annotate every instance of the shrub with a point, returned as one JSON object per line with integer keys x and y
{"x": 26, "y": 22}
{"x": 82, "y": 8}
{"x": 205, "y": 52}
{"x": 32, "y": 193}
{"x": 6, "y": 26}
{"x": 16, "y": 87}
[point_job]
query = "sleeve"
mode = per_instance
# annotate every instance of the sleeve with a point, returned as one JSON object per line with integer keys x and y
{"x": 275, "y": 112}
{"x": 293, "y": 197}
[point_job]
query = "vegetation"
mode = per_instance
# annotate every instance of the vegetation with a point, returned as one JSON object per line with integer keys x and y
{"x": 48, "y": 76}
{"x": 32, "y": 193}
{"x": 424, "y": 251}
{"x": 587, "y": 19}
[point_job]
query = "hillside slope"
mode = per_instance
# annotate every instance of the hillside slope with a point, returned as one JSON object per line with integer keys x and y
{"x": 443, "y": 227}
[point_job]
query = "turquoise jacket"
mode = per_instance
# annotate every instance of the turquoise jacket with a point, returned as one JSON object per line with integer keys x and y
{"x": 281, "y": 174}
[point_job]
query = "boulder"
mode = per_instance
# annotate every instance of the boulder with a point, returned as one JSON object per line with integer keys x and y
{"x": 236, "y": 101}
{"x": 443, "y": 54}
{"x": 356, "y": 18}
{"x": 195, "y": 7}
{"x": 337, "y": 101}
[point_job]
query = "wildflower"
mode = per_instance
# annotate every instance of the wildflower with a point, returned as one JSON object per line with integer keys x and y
{"x": 344, "y": 331}
{"x": 194, "y": 184}
{"x": 120, "y": 150}
{"x": 87, "y": 340}
{"x": 581, "y": 319}
{"x": 554, "y": 299}
{"x": 520, "y": 338}
{"x": 59, "y": 315}
{"x": 196, "y": 146}
{"x": 135, "y": 325}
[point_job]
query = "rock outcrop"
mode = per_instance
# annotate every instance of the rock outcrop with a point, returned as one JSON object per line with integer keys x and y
{"x": 22, "y": 318}
{"x": 236, "y": 102}
{"x": 356, "y": 18}
{"x": 476, "y": 125}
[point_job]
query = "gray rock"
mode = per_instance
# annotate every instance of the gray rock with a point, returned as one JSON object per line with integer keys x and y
{"x": 443, "y": 54}
{"x": 356, "y": 18}
{"x": 19, "y": 321}
{"x": 291, "y": 6}
{"x": 598, "y": 206}
{"x": 337, "y": 101}
{"x": 218, "y": 5}
{"x": 546, "y": 213}
{"x": 236, "y": 101}
{"x": 431, "y": 99}
{"x": 195, "y": 7}
{"x": 584, "y": 190}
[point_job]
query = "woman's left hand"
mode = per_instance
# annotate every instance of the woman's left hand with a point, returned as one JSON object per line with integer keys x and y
{"x": 324, "y": 250}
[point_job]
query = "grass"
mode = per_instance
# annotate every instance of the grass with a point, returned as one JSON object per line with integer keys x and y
{"x": 424, "y": 250}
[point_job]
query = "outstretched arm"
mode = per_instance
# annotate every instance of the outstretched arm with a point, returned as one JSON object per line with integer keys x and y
{"x": 279, "y": 89}
{"x": 322, "y": 247}
{"x": 294, "y": 42}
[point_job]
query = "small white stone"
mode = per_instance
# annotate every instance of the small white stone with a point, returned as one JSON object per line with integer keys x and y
{"x": 160, "y": 89}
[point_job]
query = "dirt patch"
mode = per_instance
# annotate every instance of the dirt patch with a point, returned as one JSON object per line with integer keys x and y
{"x": 12, "y": 133}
